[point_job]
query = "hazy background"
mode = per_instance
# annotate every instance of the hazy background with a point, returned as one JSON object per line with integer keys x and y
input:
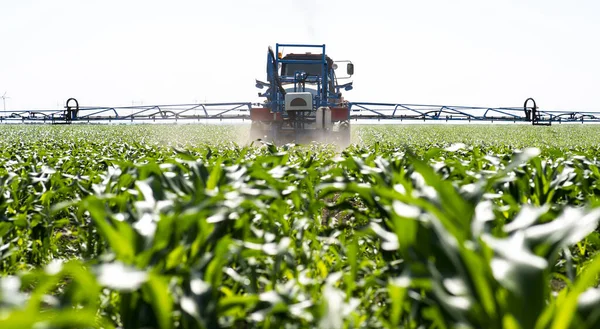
{"x": 479, "y": 53}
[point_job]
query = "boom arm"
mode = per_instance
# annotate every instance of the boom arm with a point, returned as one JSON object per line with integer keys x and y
{"x": 526, "y": 113}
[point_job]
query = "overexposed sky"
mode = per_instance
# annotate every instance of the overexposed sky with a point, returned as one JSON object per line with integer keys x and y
{"x": 469, "y": 52}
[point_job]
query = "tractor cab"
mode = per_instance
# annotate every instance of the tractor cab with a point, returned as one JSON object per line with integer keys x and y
{"x": 305, "y": 64}
{"x": 308, "y": 69}
{"x": 313, "y": 69}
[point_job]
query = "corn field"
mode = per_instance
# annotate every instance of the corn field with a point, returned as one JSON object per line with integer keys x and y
{"x": 185, "y": 226}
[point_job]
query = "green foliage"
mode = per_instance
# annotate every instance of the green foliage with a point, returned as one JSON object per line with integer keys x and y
{"x": 410, "y": 227}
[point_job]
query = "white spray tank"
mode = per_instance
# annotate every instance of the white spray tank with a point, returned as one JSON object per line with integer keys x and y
{"x": 323, "y": 118}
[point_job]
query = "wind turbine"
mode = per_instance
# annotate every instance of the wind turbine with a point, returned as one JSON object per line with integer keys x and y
{"x": 4, "y": 100}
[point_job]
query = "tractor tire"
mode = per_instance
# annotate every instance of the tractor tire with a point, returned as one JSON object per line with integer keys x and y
{"x": 344, "y": 134}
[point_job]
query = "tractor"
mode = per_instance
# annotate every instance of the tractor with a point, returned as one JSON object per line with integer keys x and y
{"x": 303, "y": 99}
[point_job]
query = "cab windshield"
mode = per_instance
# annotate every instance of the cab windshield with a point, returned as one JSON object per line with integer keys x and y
{"x": 310, "y": 69}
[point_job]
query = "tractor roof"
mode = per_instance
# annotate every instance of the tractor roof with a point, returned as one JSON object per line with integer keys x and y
{"x": 308, "y": 57}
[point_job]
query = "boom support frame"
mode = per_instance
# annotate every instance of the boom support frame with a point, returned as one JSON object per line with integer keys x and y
{"x": 74, "y": 113}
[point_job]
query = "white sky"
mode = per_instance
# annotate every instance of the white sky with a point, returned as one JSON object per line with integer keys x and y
{"x": 480, "y": 53}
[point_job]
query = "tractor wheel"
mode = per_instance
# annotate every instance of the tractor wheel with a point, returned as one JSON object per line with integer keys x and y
{"x": 344, "y": 136}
